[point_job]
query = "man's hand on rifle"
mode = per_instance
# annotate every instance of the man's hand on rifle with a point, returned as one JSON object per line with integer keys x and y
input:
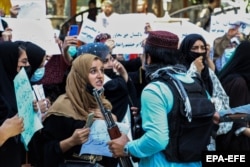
{"x": 216, "y": 118}
{"x": 247, "y": 132}
{"x": 116, "y": 146}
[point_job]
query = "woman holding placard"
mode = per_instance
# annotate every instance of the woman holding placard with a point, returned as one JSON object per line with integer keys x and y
{"x": 12, "y": 59}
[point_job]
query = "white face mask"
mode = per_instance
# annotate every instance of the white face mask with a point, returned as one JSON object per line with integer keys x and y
{"x": 38, "y": 74}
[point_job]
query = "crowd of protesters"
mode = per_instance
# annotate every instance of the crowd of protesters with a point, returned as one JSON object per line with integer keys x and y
{"x": 131, "y": 93}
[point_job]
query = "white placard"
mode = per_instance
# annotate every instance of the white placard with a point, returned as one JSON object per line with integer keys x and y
{"x": 89, "y": 31}
{"x": 32, "y": 9}
{"x": 127, "y": 30}
{"x": 220, "y": 23}
{"x": 39, "y": 32}
{"x": 24, "y": 98}
{"x": 99, "y": 137}
{"x": 39, "y": 92}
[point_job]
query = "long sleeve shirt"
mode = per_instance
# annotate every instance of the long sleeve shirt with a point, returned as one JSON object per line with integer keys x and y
{"x": 157, "y": 101}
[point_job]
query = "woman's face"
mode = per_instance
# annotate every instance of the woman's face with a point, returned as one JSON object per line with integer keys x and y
{"x": 108, "y": 62}
{"x": 96, "y": 74}
{"x": 22, "y": 60}
{"x": 198, "y": 47}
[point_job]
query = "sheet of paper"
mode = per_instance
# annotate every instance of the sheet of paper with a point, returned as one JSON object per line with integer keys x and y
{"x": 24, "y": 98}
{"x": 128, "y": 39}
{"x": 39, "y": 92}
{"x": 32, "y": 9}
{"x": 243, "y": 109}
{"x": 39, "y": 95}
{"x": 220, "y": 23}
{"x": 98, "y": 138}
{"x": 39, "y": 32}
{"x": 89, "y": 30}
{"x": 127, "y": 30}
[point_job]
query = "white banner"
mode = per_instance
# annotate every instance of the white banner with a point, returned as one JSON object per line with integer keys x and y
{"x": 39, "y": 32}
{"x": 30, "y": 9}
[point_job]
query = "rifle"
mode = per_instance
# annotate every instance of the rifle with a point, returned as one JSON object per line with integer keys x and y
{"x": 236, "y": 114}
{"x": 112, "y": 127}
{"x": 235, "y": 118}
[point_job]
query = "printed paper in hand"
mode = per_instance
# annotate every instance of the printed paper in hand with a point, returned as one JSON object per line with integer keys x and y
{"x": 99, "y": 137}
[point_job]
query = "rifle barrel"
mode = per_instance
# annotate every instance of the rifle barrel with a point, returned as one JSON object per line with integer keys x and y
{"x": 235, "y": 118}
{"x": 113, "y": 129}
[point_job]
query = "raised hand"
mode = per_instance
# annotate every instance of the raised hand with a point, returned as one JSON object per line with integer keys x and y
{"x": 120, "y": 69}
{"x": 11, "y": 127}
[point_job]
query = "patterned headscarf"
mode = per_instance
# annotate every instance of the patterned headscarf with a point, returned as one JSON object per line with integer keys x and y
{"x": 99, "y": 49}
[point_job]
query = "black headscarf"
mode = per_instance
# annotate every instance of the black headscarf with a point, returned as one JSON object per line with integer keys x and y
{"x": 9, "y": 54}
{"x": 5, "y": 25}
{"x": 35, "y": 54}
{"x": 188, "y": 57}
{"x": 239, "y": 64}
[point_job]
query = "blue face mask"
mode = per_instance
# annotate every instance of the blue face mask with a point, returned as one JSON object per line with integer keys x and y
{"x": 72, "y": 51}
{"x": 228, "y": 53}
{"x": 38, "y": 74}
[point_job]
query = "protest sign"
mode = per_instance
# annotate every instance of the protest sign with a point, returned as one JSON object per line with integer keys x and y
{"x": 30, "y": 9}
{"x": 39, "y": 32}
{"x": 24, "y": 98}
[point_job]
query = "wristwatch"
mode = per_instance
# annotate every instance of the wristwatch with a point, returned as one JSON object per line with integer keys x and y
{"x": 125, "y": 150}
